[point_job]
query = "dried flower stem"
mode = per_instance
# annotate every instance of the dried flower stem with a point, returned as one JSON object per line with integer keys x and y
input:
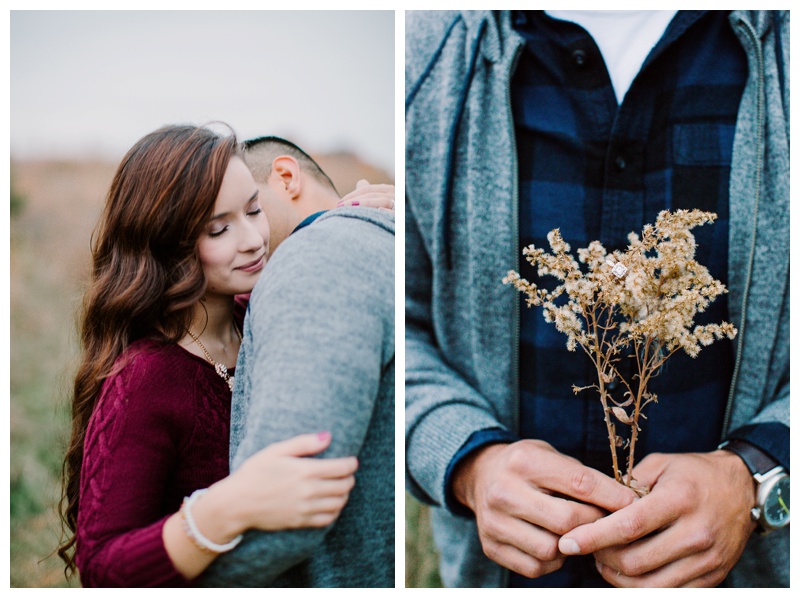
{"x": 640, "y": 304}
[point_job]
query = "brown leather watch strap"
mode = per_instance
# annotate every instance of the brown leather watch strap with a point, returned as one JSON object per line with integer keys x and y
{"x": 757, "y": 461}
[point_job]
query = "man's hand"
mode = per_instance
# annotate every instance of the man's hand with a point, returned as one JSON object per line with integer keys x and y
{"x": 371, "y": 196}
{"x": 689, "y": 531}
{"x": 524, "y": 497}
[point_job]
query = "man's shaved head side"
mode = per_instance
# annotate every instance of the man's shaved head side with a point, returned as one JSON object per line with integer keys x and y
{"x": 259, "y": 154}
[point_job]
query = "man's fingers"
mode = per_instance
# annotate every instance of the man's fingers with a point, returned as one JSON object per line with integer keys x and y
{"x": 555, "y": 514}
{"x": 522, "y": 563}
{"x": 585, "y": 485}
{"x": 540, "y": 464}
{"x": 646, "y": 474}
{"x": 682, "y": 573}
{"x": 627, "y": 525}
{"x": 649, "y": 554}
{"x": 530, "y": 539}
{"x": 527, "y": 549}
{"x": 526, "y": 494}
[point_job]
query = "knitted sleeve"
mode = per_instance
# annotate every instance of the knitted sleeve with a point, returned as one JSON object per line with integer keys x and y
{"x": 129, "y": 452}
{"x": 319, "y": 334}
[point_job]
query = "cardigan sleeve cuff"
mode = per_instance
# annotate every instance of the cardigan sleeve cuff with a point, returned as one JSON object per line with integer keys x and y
{"x": 142, "y": 561}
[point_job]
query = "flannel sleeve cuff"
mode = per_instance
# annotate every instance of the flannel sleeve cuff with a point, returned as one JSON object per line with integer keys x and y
{"x": 477, "y": 440}
{"x": 770, "y": 437}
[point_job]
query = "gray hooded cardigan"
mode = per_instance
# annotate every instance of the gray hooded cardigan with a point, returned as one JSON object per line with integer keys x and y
{"x": 461, "y": 238}
{"x": 318, "y": 354}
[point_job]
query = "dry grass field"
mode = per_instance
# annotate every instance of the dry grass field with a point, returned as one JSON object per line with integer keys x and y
{"x": 49, "y": 257}
{"x": 422, "y": 560}
{"x": 50, "y": 233}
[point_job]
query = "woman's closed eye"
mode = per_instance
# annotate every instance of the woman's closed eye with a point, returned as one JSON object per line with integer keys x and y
{"x": 253, "y": 208}
{"x": 217, "y": 231}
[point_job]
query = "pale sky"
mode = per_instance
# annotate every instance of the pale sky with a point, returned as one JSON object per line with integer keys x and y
{"x": 90, "y": 83}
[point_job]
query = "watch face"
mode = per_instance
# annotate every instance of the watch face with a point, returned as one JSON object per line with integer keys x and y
{"x": 776, "y": 506}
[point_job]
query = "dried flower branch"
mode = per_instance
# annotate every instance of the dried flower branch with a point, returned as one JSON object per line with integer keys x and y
{"x": 641, "y": 304}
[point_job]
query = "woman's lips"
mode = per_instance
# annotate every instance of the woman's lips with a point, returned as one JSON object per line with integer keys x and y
{"x": 253, "y": 266}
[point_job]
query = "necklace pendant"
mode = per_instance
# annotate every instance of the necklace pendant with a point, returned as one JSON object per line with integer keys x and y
{"x": 220, "y": 368}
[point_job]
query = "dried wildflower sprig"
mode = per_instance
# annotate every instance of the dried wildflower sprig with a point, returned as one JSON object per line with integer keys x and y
{"x": 640, "y": 303}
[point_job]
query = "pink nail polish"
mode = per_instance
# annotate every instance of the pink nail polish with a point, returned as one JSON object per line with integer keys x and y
{"x": 355, "y": 203}
{"x": 340, "y": 204}
{"x": 324, "y": 436}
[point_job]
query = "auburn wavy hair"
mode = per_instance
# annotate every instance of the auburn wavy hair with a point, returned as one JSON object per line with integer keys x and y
{"x": 146, "y": 275}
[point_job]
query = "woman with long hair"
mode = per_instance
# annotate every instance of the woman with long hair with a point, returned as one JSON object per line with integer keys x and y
{"x": 182, "y": 234}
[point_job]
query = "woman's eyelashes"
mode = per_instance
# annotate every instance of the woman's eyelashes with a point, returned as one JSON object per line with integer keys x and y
{"x": 253, "y": 207}
{"x": 216, "y": 232}
{"x": 218, "y": 227}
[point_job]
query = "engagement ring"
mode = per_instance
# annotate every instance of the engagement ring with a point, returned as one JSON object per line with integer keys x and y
{"x": 619, "y": 270}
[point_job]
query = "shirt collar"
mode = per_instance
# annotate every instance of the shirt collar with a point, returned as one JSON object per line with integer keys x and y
{"x": 308, "y": 220}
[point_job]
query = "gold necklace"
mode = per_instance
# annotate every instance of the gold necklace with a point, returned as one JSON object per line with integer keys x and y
{"x": 220, "y": 368}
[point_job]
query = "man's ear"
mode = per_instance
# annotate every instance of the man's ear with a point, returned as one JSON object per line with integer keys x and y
{"x": 287, "y": 170}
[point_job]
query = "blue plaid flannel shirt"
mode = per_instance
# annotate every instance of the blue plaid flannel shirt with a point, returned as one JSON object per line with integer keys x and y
{"x": 599, "y": 170}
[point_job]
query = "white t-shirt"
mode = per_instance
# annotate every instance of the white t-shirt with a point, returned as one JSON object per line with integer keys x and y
{"x": 624, "y": 37}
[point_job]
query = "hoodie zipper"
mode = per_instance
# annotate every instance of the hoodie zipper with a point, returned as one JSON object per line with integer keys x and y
{"x": 514, "y": 161}
{"x": 515, "y": 226}
{"x": 759, "y": 165}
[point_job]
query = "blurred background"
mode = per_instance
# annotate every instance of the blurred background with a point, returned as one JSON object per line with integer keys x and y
{"x": 85, "y": 85}
{"x": 422, "y": 558}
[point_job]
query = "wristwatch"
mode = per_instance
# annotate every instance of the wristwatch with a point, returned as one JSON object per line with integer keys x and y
{"x": 772, "y": 497}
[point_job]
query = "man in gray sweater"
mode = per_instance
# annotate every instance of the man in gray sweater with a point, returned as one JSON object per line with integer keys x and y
{"x": 318, "y": 355}
{"x": 516, "y": 124}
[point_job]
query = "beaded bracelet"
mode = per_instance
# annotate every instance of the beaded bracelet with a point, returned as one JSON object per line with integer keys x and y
{"x": 196, "y": 535}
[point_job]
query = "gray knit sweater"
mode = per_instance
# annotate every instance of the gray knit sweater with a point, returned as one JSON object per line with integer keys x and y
{"x": 461, "y": 239}
{"x": 318, "y": 354}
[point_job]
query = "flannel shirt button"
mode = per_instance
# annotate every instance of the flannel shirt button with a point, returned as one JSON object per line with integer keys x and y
{"x": 620, "y": 163}
{"x": 579, "y": 57}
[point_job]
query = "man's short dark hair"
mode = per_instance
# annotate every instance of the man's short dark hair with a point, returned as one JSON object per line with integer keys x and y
{"x": 259, "y": 153}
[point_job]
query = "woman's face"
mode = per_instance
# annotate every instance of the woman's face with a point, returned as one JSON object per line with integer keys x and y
{"x": 233, "y": 249}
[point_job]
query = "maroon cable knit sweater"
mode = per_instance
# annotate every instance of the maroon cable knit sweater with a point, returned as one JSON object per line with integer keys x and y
{"x": 160, "y": 430}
